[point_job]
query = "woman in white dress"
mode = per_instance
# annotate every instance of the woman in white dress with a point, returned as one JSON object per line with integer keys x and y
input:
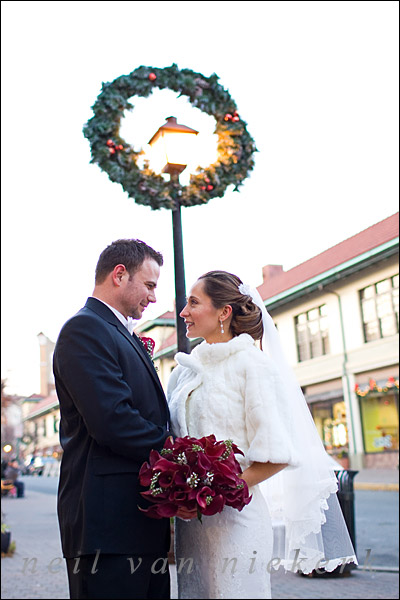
{"x": 230, "y": 388}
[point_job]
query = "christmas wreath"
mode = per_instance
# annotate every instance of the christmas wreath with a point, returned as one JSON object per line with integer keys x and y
{"x": 118, "y": 159}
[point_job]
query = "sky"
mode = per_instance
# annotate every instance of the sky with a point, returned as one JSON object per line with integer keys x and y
{"x": 316, "y": 83}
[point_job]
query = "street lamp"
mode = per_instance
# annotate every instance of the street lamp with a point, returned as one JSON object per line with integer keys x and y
{"x": 171, "y": 147}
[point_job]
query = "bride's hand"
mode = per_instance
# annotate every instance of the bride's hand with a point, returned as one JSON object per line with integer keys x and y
{"x": 186, "y": 515}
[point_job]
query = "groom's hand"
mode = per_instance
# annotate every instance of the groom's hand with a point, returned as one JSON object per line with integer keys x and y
{"x": 185, "y": 514}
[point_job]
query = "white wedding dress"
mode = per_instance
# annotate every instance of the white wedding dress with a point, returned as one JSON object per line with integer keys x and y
{"x": 229, "y": 390}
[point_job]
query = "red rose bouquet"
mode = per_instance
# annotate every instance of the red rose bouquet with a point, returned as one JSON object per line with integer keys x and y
{"x": 193, "y": 474}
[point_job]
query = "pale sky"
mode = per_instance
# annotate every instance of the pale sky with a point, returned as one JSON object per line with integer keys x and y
{"x": 316, "y": 82}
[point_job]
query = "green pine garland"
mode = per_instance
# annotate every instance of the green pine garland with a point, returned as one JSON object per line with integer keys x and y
{"x": 118, "y": 159}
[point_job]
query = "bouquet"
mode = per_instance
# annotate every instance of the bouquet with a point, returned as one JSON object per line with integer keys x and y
{"x": 193, "y": 474}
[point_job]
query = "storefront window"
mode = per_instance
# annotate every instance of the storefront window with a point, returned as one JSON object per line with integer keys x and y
{"x": 331, "y": 423}
{"x": 380, "y": 423}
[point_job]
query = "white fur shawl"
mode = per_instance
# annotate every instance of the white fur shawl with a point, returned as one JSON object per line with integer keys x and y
{"x": 235, "y": 393}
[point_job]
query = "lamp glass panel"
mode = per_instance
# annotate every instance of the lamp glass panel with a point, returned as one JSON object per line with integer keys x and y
{"x": 179, "y": 147}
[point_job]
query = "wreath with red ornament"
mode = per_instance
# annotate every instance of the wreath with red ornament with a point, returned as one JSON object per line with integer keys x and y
{"x": 118, "y": 159}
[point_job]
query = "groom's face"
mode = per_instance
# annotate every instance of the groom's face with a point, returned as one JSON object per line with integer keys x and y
{"x": 139, "y": 289}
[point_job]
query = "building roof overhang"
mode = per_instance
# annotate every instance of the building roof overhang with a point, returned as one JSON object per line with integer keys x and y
{"x": 340, "y": 272}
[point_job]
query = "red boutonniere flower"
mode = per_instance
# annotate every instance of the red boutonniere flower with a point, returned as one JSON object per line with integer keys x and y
{"x": 149, "y": 345}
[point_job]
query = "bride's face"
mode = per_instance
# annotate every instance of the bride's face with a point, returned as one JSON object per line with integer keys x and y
{"x": 201, "y": 318}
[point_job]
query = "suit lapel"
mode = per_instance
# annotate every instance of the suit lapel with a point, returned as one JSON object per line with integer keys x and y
{"x": 137, "y": 344}
{"x": 103, "y": 311}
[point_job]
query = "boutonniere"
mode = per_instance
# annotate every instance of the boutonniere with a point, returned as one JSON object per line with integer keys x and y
{"x": 149, "y": 345}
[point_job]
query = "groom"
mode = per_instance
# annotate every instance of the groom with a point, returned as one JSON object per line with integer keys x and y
{"x": 113, "y": 412}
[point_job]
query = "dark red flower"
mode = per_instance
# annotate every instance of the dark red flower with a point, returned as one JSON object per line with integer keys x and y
{"x": 215, "y": 506}
{"x": 149, "y": 344}
{"x": 204, "y": 496}
{"x": 145, "y": 474}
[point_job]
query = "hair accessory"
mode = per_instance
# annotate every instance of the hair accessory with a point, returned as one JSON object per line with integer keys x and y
{"x": 246, "y": 290}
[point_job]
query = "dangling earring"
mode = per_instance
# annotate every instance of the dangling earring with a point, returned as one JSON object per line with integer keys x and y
{"x": 222, "y": 326}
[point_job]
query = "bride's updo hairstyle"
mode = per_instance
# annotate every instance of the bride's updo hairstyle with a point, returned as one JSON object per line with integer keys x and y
{"x": 223, "y": 288}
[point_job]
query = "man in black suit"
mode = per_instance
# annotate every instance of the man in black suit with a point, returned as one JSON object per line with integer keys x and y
{"x": 113, "y": 412}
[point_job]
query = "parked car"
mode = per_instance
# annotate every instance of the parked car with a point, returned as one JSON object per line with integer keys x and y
{"x": 51, "y": 467}
{"x": 36, "y": 466}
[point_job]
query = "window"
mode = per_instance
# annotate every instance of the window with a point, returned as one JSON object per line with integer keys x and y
{"x": 380, "y": 423}
{"x": 312, "y": 333}
{"x": 331, "y": 422}
{"x": 380, "y": 309}
{"x": 56, "y": 422}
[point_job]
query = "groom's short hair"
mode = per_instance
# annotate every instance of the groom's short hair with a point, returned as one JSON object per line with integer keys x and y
{"x": 130, "y": 253}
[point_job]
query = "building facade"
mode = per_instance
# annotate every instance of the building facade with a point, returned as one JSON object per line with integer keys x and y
{"x": 41, "y": 421}
{"x": 338, "y": 318}
{"x": 41, "y": 413}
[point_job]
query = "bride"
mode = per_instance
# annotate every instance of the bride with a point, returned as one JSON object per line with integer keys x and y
{"x": 231, "y": 388}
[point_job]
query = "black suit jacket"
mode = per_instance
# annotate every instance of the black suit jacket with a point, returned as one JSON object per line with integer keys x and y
{"x": 113, "y": 412}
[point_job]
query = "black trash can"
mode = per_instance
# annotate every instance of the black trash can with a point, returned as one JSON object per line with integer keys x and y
{"x": 345, "y": 495}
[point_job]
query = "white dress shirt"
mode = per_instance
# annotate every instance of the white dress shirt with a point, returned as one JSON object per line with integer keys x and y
{"x": 129, "y": 323}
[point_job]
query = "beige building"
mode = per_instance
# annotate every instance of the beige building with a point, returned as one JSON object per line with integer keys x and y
{"x": 41, "y": 426}
{"x": 46, "y": 346}
{"x": 338, "y": 318}
{"x": 41, "y": 413}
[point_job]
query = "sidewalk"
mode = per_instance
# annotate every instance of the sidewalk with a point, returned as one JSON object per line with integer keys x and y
{"x": 37, "y": 570}
{"x": 377, "y": 479}
{"x": 359, "y": 585}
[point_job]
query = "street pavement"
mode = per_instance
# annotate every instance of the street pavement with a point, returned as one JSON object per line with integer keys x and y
{"x": 37, "y": 570}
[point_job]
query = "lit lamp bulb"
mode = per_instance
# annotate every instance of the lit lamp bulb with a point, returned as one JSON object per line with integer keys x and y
{"x": 172, "y": 147}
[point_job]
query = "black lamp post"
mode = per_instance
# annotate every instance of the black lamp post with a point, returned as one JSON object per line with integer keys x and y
{"x": 171, "y": 147}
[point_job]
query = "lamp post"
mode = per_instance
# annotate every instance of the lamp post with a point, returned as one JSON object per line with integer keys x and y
{"x": 171, "y": 146}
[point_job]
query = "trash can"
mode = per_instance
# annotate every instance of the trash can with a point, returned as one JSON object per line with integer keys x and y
{"x": 345, "y": 495}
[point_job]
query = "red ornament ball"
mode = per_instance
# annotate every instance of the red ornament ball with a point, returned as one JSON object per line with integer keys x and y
{"x": 227, "y": 117}
{"x": 152, "y": 76}
{"x": 112, "y": 150}
{"x": 120, "y": 147}
{"x": 110, "y": 143}
{"x": 209, "y": 188}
